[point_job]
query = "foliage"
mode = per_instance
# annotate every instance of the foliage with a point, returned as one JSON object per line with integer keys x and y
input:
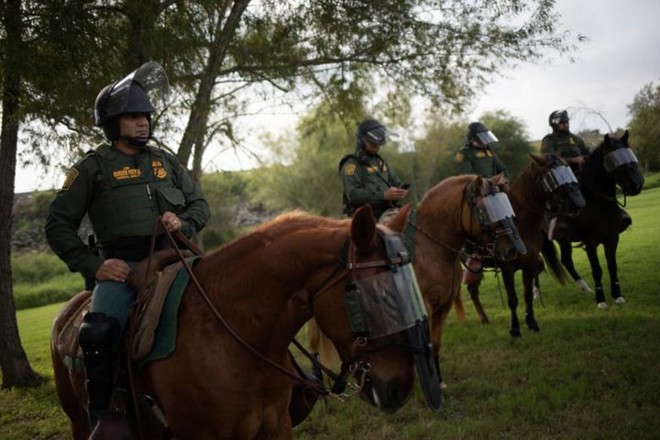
{"x": 567, "y": 381}
{"x": 645, "y": 126}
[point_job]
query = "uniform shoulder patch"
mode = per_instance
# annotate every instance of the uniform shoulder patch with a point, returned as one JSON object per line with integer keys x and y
{"x": 349, "y": 169}
{"x": 459, "y": 157}
{"x": 71, "y": 177}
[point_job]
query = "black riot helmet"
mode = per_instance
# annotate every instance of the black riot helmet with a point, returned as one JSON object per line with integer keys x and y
{"x": 557, "y": 117}
{"x": 477, "y": 131}
{"x": 132, "y": 94}
{"x": 371, "y": 131}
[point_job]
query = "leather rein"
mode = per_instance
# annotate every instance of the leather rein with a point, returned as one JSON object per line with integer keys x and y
{"x": 342, "y": 269}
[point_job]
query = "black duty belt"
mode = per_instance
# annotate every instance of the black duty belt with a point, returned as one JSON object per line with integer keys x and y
{"x": 132, "y": 248}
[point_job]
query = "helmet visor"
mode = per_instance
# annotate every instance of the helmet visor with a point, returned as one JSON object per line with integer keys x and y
{"x": 375, "y": 136}
{"x": 487, "y": 137}
{"x": 138, "y": 91}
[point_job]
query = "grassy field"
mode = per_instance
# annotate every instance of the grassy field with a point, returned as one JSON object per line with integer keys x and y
{"x": 588, "y": 374}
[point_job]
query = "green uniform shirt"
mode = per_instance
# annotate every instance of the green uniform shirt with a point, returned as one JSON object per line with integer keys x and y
{"x": 365, "y": 179}
{"x": 480, "y": 161}
{"x": 122, "y": 195}
{"x": 563, "y": 144}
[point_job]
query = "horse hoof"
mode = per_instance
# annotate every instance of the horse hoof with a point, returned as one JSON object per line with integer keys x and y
{"x": 620, "y": 300}
{"x": 584, "y": 287}
{"x": 602, "y": 305}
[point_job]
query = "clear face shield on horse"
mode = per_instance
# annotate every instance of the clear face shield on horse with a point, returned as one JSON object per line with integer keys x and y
{"x": 391, "y": 302}
{"x": 563, "y": 190}
{"x": 496, "y": 217}
{"x": 623, "y": 159}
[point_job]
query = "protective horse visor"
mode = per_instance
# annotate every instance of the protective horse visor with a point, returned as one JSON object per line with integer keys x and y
{"x": 615, "y": 159}
{"x": 150, "y": 79}
{"x": 487, "y": 137}
{"x": 558, "y": 176}
{"x": 496, "y": 207}
{"x": 385, "y": 304}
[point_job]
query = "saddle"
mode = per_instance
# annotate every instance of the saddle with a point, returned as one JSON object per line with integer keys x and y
{"x": 152, "y": 281}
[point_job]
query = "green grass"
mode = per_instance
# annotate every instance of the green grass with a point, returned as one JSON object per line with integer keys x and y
{"x": 588, "y": 374}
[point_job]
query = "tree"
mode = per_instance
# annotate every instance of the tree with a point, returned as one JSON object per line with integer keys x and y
{"x": 16, "y": 369}
{"x": 645, "y": 126}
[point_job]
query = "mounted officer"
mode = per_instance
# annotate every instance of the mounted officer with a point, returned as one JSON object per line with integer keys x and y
{"x": 561, "y": 142}
{"x": 572, "y": 149}
{"x": 367, "y": 178}
{"x": 123, "y": 186}
{"x": 478, "y": 155}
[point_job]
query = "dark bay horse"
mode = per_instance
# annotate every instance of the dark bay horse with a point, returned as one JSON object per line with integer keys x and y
{"x": 547, "y": 183}
{"x": 611, "y": 164}
{"x": 262, "y": 288}
{"x": 458, "y": 208}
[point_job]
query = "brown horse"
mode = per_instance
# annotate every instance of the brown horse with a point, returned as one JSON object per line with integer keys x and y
{"x": 457, "y": 209}
{"x": 221, "y": 381}
{"x": 611, "y": 164}
{"x": 547, "y": 183}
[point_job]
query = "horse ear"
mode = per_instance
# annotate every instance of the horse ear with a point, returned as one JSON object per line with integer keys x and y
{"x": 499, "y": 179}
{"x": 536, "y": 158}
{"x": 363, "y": 229}
{"x": 624, "y": 138}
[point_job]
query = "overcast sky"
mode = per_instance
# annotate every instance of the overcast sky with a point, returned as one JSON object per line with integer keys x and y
{"x": 621, "y": 57}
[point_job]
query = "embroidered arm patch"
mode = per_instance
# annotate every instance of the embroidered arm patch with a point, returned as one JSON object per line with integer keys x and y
{"x": 71, "y": 177}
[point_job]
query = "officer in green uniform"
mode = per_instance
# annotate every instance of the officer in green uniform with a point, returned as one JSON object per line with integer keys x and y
{"x": 573, "y": 150}
{"x": 561, "y": 142}
{"x": 478, "y": 156}
{"x": 366, "y": 176}
{"x": 123, "y": 186}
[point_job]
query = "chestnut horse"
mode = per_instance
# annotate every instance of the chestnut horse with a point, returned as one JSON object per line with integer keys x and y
{"x": 457, "y": 209}
{"x": 610, "y": 165}
{"x": 221, "y": 382}
{"x": 547, "y": 183}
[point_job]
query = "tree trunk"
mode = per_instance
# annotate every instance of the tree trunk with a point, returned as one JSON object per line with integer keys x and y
{"x": 195, "y": 132}
{"x": 16, "y": 369}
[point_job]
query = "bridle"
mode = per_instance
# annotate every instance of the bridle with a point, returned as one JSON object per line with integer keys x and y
{"x": 346, "y": 266}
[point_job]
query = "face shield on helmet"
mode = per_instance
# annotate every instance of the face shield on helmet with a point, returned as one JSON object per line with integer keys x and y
{"x": 370, "y": 131}
{"x": 479, "y": 132}
{"x": 557, "y": 117}
{"x": 135, "y": 93}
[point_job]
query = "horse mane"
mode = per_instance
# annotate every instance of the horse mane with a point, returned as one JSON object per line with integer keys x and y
{"x": 525, "y": 189}
{"x": 275, "y": 228}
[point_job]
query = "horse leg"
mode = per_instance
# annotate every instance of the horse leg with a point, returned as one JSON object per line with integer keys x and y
{"x": 528, "y": 283}
{"x": 567, "y": 261}
{"x": 509, "y": 284}
{"x": 459, "y": 308}
{"x": 474, "y": 294}
{"x": 610, "y": 256}
{"x": 597, "y": 274}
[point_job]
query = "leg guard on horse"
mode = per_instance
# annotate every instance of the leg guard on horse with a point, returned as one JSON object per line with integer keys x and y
{"x": 99, "y": 338}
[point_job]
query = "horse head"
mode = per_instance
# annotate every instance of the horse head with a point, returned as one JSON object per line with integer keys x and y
{"x": 374, "y": 320}
{"x": 621, "y": 164}
{"x": 560, "y": 186}
{"x": 490, "y": 222}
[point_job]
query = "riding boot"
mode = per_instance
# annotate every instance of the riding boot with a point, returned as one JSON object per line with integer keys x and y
{"x": 99, "y": 338}
{"x": 625, "y": 222}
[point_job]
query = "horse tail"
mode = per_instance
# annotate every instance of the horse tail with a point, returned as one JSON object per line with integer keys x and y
{"x": 321, "y": 344}
{"x": 549, "y": 252}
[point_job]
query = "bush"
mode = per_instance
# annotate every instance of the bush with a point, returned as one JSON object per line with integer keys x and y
{"x": 36, "y": 267}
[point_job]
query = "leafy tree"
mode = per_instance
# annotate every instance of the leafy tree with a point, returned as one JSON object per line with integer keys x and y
{"x": 645, "y": 126}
